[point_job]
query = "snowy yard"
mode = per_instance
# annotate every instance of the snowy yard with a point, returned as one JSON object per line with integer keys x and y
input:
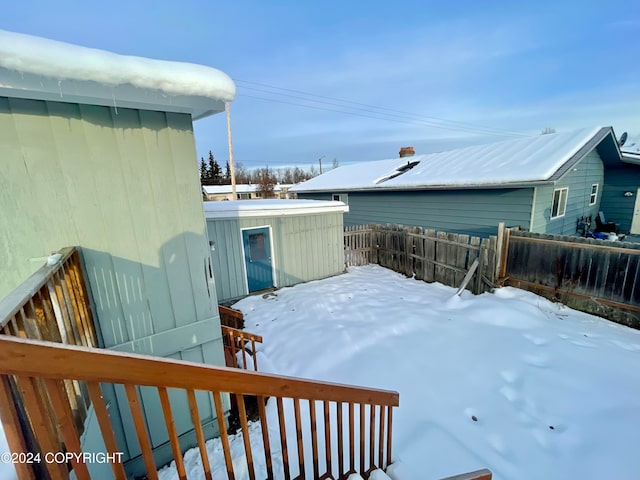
{"x": 555, "y": 393}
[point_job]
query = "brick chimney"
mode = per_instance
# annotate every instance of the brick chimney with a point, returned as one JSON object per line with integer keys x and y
{"x": 407, "y": 152}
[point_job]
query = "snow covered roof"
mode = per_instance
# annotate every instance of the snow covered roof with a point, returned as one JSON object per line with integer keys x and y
{"x": 631, "y": 150}
{"x": 525, "y": 161}
{"x": 270, "y": 208}
{"x": 240, "y": 188}
{"x": 38, "y": 68}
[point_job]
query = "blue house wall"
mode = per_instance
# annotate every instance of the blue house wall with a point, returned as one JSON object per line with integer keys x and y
{"x": 616, "y": 206}
{"x": 579, "y": 180}
{"x": 472, "y": 211}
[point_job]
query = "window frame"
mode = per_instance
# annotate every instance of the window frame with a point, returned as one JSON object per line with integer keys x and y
{"x": 342, "y": 197}
{"x": 560, "y": 202}
{"x": 593, "y": 197}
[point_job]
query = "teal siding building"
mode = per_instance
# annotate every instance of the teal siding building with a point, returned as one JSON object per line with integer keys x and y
{"x": 544, "y": 184}
{"x": 260, "y": 244}
{"x": 101, "y": 155}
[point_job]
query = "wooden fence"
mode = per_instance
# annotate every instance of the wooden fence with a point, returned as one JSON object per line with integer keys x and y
{"x": 424, "y": 253}
{"x": 591, "y": 275}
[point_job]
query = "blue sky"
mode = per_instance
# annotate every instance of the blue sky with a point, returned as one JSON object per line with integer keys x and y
{"x": 493, "y": 70}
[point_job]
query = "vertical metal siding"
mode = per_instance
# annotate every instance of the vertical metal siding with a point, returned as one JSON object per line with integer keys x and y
{"x": 306, "y": 247}
{"x": 124, "y": 187}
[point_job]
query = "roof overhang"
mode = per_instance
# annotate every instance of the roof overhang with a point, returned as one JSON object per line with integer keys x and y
{"x": 42, "y": 69}
{"x": 271, "y": 208}
{"x": 17, "y": 85}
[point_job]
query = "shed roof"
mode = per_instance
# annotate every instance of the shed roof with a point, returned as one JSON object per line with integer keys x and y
{"x": 507, "y": 164}
{"x": 270, "y": 208}
{"x": 38, "y": 68}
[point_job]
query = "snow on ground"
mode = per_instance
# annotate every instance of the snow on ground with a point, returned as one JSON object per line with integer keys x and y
{"x": 507, "y": 381}
{"x": 7, "y": 472}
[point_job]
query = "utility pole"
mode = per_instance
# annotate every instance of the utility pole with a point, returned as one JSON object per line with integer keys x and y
{"x": 231, "y": 167}
{"x": 320, "y": 161}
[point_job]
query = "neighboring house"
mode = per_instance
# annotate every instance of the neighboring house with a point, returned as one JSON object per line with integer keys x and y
{"x": 243, "y": 192}
{"x": 98, "y": 152}
{"x": 273, "y": 243}
{"x": 544, "y": 184}
{"x": 621, "y": 197}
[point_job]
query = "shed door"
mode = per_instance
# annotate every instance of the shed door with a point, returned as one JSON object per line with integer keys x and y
{"x": 257, "y": 258}
{"x": 635, "y": 222}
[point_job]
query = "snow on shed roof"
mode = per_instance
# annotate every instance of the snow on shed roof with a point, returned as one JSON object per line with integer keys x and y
{"x": 503, "y": 164}
{"x": 39, "y": 68}
{"x": 270, "y": 208}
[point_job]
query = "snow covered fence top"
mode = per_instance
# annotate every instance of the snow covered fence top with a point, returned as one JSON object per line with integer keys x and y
{"x": 39, "y": 68}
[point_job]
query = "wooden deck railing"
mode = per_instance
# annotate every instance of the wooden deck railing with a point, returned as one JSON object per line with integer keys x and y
{"x": 230, "y": 317}
{"x": 347, "y": 429}
{"x": 236, "y": 341}
{"x": 52, "y": 304}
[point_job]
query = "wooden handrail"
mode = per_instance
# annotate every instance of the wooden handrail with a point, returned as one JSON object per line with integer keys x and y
{"x": 235, "y": 341}
{"x": 483, "y": 474}
{"x": 230, "y": 317}
{"x": 30, "y": 363}
{"x": 53, "y": 360}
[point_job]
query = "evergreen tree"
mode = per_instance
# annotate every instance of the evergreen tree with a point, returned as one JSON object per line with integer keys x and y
{"x": 215, "y": 177}
{"x": 227, "y": 174}
{"x": 204, "y": 172}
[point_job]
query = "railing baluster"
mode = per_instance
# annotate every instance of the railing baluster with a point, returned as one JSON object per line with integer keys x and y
{"x": 389, "y": 428}
{"x": 296, "y": 411}
{"x": 283, "y": 439}
{"x": 141, "y": 431}
{"x": 314, "y": 437}
{"x": 81, "y": 289}
{"x": 40, "y": 417}
{"x": 97, "y": 400}
{"x": 381, "y": 463}
{"x": 197, "y": 425}
{"x": 244, "y": 352}
{"x": 362, "y": 449}
{"x": 340, "y": 439}
{"x": 265, "y": 436}
{"x": 173, "y": 433}
{"x": 12, "y": 429}
{"x": 255, "y": 355}
{"x": 66, "y": 425}
{"x": 223, "y": 435}
{"x": 242, "y": 413}
{"x": 352, "y": 458}
{"x": 372, "y": 435}
{"x": 327, "y": 436}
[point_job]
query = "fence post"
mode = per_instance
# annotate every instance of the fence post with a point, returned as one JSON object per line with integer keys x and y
{"x": 499, "y": 243}
{"x": 503, "y": 253}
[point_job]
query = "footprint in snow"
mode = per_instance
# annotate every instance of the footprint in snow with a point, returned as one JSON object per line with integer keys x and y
{"x": 583, "y": 343}
{"x": 536, "y": 360}
{"x": 538, "y": 341}
{"x": 510, "y": 376}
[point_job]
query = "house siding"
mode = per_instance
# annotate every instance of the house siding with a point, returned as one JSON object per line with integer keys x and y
{"x": 122, "y": 185}
{"x": 474, "y": 212}
{"x": 305, "y": 247}
{"x": 616, "y": 207}
{"x": 579, "y": 180}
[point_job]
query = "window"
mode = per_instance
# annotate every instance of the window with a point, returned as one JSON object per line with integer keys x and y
{"x": 594, "y": 194}
{"x": 559, "y": 205}
{"x": 341, "y": 197}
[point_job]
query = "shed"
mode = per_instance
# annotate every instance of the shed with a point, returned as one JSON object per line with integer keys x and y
{"x": 260, "y": 244}
{"x": 544, "y": 184}
{"x": 98, "y": 152}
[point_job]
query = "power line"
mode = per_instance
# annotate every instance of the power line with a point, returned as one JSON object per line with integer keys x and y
{"x": 389, "y": 119}
{"x": 431, "y": 120}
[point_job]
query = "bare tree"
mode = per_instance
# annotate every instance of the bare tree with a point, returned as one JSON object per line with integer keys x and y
{"x": 266, "y": 181}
